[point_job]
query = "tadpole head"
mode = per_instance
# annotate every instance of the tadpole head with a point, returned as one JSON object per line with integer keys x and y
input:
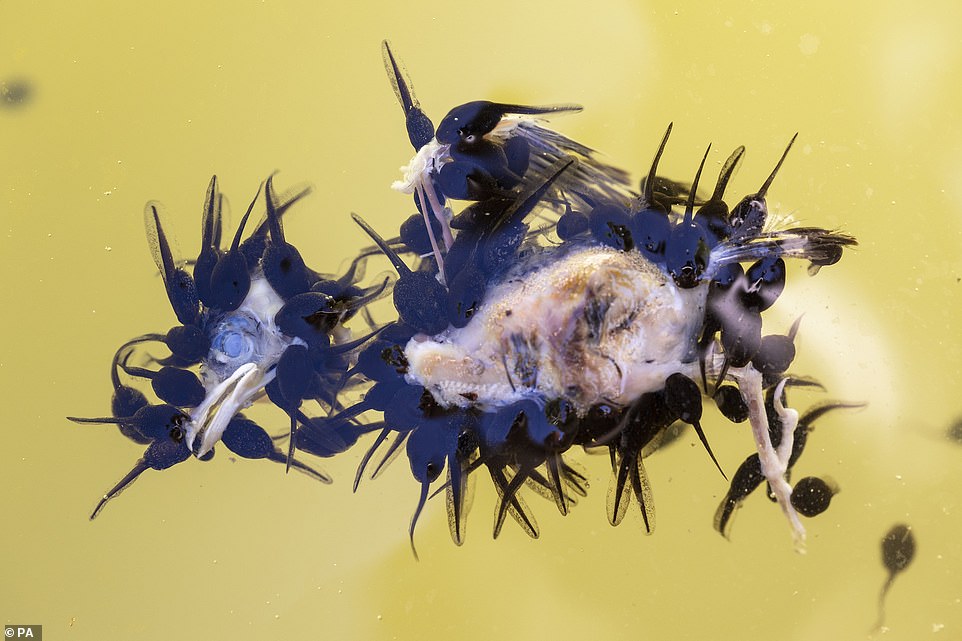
{"x": 469, "y": 122}
{"x": 687, "y": 254}
{"x": 611, "y": 226}
{"x": 426, "y": 453}
{"x": 466, "y": 293}
{"x": 898, "y": 548}
{"x": 811, "y": 496}
{"x": 422, "y": 302}
{"x": 419, "y": 126}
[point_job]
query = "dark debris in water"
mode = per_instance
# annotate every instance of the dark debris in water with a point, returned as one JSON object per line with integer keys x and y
{"x": 15, "y": 93}
{"x": 954, "y": 432}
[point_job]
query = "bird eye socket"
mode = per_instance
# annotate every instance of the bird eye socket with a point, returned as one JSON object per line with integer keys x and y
{"x": 233, "y": 339}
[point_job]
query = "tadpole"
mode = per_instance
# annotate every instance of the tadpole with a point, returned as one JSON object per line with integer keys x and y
{"x": 898, "y": 550}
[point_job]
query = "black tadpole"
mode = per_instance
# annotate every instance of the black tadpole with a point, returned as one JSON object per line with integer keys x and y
{"x": 230, "y": 280}
{"x": 684, "y": 400}
{"x": 898, "y": 550}
{"x": 427, "y": 450}
{"x": 714, "y": 212}
{"x": 749, "y": 215}
{"x": 687, "y": 251}
{"x": 648, "y": 193}
{"x": 160, "y": 455}
{"x": 421, "y": 301}
{"x": 154, "y": 422}
{"x": 211, "y": 230}
{"x": 283, "y": 265}
{"x": 468, "y": 123}
{"x": 419, "y": 126}
{"x": 179, "y": 387}
{"x": 179, "y": 284}
{"x": 126, "y": 400}
{"x": 811, "y": 496}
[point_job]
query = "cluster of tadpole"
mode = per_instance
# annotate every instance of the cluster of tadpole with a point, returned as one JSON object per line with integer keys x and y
{"x": 255, "y": 321}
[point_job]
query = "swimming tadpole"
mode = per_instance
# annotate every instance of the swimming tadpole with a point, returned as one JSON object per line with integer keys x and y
{"x": 898, "y": 550}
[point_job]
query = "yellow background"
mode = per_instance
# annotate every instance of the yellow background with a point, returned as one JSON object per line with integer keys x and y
{"x": 133, "y": 102}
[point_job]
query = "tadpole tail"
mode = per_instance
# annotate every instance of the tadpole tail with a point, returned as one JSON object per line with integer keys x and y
{"x": 704, "y": 441}
{"x": 139, "y": 468}
{"x": 880, "y": 622}
{"x": 649, "y": 193}
{"x": 417, "y": 513}
{"x": 402, "y": 269}
{"x": 768, "y": 182}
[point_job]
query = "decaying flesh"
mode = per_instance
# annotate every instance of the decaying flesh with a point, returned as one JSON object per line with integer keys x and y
{"x": 590, "y": 324}
{"x": 233, "y": 384}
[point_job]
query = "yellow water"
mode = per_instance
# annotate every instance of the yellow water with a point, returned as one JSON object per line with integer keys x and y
{"x": 130, "y": 103}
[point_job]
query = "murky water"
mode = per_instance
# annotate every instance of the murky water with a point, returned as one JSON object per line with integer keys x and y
{"x": 117, "y": 104}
